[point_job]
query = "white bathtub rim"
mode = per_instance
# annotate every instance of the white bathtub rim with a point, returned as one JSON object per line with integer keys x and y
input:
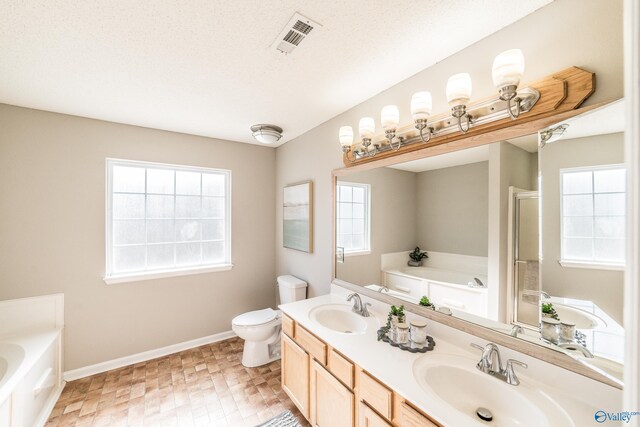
{"x": 34, "y": 344}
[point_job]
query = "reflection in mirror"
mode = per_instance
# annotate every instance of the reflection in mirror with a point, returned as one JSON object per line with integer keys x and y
{"x": 510, "y": 229}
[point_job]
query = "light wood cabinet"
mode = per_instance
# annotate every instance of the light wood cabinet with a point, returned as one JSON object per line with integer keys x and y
{"x": 331, "y": 391}
{"x": 375, "y": 394}
{"x": 341, "y": 368}
{"x": 315, "y": 347}
{"x": 295, "y": 374}
{"x": 368, "y": 418}
{"x": 288, "y": 326}
{"x": 409, "y": 417}
{"x": 332, "y": 404}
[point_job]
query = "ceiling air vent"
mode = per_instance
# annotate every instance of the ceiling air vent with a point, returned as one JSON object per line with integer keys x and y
{"x": 294, "y": 33}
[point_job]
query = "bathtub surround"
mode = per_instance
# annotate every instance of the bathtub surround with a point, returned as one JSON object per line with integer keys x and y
{"x": 52, "y": 182}
{"x": 31, "y": 341}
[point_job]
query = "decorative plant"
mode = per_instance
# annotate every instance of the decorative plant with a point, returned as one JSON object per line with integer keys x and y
{"x": 397, "y": 311}
{"x": 425, "y": 301}
{"x": 547, "y": 308}
{"x": 417, "y": 255}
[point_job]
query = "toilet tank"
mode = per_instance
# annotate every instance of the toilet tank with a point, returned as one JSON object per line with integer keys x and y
{"x": 291, "y": 289}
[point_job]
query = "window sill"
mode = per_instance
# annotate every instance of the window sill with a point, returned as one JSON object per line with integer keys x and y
{"x": 136, "y": 277}
{"x": 356, "y": 253}
{"x": 591, "y": 265}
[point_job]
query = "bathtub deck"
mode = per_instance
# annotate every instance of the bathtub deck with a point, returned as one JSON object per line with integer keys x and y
{"x": 205, "y": 386}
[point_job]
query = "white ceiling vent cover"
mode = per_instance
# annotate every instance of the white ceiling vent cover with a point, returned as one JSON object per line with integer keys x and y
{"x": 294, "y": 33}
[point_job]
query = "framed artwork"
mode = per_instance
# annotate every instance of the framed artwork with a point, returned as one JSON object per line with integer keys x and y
{"x": 297, "y": 217}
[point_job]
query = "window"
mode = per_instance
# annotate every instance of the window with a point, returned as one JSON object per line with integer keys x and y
{"x": 165, "y": 220}
{"x": 593, "y": 215}
{"x": 353, "y": 207}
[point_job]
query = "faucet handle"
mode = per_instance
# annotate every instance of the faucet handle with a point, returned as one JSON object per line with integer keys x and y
{"x": 365, "y": 312}
{"x": 479, "y": 347}
{"x": 509, "y": 373}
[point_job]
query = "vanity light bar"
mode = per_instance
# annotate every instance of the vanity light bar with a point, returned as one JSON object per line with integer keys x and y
{"x": 507, "y": 71}
{"x": 486, "y": 112}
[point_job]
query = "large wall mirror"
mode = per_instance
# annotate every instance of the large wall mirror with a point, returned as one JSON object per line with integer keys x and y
{"x": 524, "y": 236}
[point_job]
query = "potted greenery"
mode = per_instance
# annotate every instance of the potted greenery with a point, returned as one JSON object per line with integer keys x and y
{"x": 416, "y": 257}
{"x": 424, "y": 301}
{"x": 396, "y": 315}
{"x": 549, "y": 311}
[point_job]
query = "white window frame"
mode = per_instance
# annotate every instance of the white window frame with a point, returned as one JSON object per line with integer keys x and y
{"x": 110, "y": 277}
{"x": 367, "y": 217}
{"x": 593, "y": 264}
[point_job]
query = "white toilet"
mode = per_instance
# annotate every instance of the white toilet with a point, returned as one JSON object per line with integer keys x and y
{"x": 260, "y": 329}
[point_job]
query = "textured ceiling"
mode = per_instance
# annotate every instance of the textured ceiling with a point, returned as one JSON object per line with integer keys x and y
{"x": 208, "y": 68}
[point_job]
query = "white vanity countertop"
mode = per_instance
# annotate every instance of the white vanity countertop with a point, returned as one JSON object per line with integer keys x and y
{"x": 394, "y": 367}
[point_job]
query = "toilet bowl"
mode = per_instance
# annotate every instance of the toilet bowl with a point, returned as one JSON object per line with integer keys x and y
{"x": 260, "y": 329}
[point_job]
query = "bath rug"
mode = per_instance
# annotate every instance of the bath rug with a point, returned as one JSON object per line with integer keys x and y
{"x": 285, "y": 419}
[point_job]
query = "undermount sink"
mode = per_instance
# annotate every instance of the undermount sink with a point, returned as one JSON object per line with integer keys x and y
{"x": 458, "y": 383}
{"x": 339, "y": 318}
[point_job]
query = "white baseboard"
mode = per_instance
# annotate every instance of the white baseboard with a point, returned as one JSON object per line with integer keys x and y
{"x": 144, "y": 356}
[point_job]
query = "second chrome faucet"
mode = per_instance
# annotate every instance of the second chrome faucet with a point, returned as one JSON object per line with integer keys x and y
{"x": 491, "y": 363}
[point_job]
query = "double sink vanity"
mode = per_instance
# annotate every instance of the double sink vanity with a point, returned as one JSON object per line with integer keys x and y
{"x": 338, "y": 374}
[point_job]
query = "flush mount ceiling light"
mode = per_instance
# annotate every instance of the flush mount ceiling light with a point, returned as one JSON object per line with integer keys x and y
{"x": 266, "y": 134}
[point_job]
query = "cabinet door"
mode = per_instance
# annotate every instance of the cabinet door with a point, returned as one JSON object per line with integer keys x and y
{"x": 332, "y": 404}
{"x": 295, "y": 374}
{"x": 409, "y": 417}
{"x": 368, "y": 418}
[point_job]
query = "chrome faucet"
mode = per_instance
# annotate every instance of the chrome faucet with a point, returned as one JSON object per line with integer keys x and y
{"x": 358, "y": 306}
{"x": 574, "y": 346}
{"x": 491, "y": 363}
{"x": 516, "y": 330}
{"x": 477, "y": 283}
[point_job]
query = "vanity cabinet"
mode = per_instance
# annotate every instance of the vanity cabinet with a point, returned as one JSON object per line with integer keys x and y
{"x": 332, "y": 404}
{"x": 295, "y": 374}
{"x": 331, "y": 391}
{"x": 322, "y": 394}
{"x": 368, "y": 417}
{"x": 409, "y": 417}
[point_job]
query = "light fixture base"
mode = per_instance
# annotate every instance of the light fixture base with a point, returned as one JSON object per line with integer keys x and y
{"x": 266, "y": 133}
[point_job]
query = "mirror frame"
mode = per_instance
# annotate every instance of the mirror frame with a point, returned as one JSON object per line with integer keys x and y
{"x": 555, "y": 357}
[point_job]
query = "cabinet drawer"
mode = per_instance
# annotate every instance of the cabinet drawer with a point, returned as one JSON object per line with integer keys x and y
{"x": 288, "y": 325}
{"x": 409, "y": 417}
{"x": 368, "y": 418}
{"x": 375, "y": 394}
{"x": 341, "y": 368}
{"x": 316, "y": 348}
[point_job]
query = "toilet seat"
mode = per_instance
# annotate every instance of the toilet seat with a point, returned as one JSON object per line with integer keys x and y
{"x": 256, "y": 317}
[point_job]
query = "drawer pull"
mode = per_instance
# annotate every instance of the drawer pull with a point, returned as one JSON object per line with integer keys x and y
{"x": 43, "y": 382}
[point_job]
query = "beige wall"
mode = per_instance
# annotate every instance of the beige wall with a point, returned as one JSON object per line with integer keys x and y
{"x": 452, "y": 209}
{"x": 585, "y": 33}
{"x": 603, "y": 287}
{"x": 393, "y": 222}
{"x": 52, "y": 192}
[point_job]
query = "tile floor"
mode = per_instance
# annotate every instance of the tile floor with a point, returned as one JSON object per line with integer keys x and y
{"x": 204, "y": 386}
